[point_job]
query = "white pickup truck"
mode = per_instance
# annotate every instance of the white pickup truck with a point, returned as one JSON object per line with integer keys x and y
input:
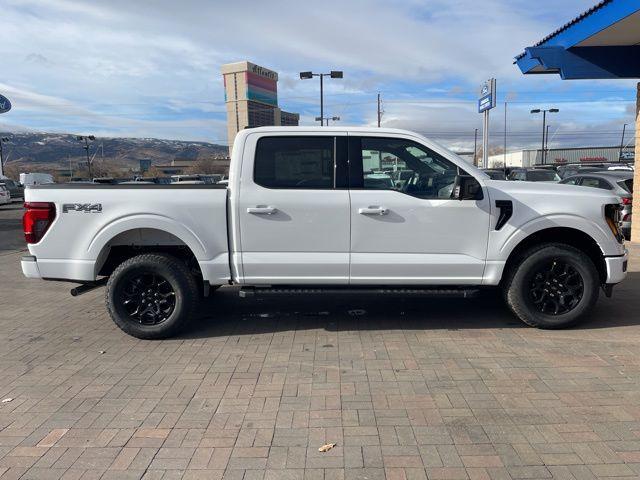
{"x": 309, "y": 210}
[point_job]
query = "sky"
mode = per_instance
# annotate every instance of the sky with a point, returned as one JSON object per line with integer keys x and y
{"x": 152, "y": 68}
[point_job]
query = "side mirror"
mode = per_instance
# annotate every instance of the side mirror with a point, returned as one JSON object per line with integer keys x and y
{"x": 466, "y": 187}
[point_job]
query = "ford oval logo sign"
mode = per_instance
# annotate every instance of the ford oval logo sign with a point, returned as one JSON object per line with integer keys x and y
{"x": 5, "y": 104}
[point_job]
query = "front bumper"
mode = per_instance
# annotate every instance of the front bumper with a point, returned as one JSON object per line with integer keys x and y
{"x": 30, "y": 267}
{"x": 616, "y": 267}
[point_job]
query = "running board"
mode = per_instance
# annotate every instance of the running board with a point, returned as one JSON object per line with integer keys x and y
{"x": 418, "y": 292}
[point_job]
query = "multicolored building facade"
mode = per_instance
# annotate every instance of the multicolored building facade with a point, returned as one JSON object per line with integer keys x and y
{"x": 251, "y": 97}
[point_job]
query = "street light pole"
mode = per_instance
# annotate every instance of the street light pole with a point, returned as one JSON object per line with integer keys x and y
{"x": 546, "y": 142}
{"x": 332, "y": 74}
{"x": 86, "y": 139}
{"x": 544, "y": 127}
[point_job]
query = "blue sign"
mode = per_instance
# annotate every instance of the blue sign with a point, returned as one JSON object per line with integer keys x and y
{"x": 487, "y": 98}
{"x": 485, "y": 103}
{"x": 5, "y": 104}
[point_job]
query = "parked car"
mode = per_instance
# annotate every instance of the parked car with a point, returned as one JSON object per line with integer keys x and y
{"x": 378, "y": 180}
{"x": 5, "y": 196}
{"x": 574, "y": 168}
{"x": 203, "y": 178}
{"x": 618, "y": 182}
{"x": 495, "y": 174}
{"x": 297, "y": 218}
{"x": 534, "y": 175}
{"x": 16, "y": 190}
{"x": 157, "y": 180}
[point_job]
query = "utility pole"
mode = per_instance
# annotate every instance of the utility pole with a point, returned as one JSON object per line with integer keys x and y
{"x": 475, "y": 146}
{"x": 379, "y": 110}
{"x": 624, "y": 128}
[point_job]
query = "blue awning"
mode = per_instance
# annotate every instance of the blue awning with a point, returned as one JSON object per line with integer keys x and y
{"x": 603, "y": 42}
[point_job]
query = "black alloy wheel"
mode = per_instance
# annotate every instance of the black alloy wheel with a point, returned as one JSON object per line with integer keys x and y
{"x": 148, "y": 298}
{"x": 152, "y": 295}
{"x": 556, "y": 288}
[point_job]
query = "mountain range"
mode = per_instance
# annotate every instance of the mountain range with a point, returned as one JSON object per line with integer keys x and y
{"x": 50, "y": 149}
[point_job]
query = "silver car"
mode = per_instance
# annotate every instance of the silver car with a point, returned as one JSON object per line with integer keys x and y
{"x": 620, "y": 182}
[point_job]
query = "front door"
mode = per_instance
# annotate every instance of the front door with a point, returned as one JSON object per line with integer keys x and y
{"x": 405, "y": 227}
{"x": 294, "y": 214}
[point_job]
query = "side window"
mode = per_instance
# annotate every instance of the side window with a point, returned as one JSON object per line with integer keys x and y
{"x": 590, "y": 182}
{"x": 405, "y": 166}
{"x": 571, "y": 181}
{"x": 294, "y": 162}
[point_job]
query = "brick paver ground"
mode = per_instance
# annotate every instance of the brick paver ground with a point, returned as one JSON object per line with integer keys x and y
{"x": 406, "y": 388}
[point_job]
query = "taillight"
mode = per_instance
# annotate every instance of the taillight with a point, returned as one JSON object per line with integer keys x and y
{"x": 37, "y": 218}
{"x": 626, "y": 201}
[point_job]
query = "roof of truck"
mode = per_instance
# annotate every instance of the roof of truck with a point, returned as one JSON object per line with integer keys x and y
{"x": 310, "y": 128}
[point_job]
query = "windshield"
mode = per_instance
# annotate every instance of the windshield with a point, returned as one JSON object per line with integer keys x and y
{"x": 627, "y": 185}
{"x": 542, "y": 176}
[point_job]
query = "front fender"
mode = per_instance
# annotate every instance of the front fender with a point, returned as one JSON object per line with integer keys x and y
{"x": 507, "y": 243}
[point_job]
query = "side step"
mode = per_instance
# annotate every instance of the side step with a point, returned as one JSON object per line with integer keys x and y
{"x": 246, "y": 292}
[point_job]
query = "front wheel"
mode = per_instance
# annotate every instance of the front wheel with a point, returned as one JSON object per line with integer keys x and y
{"x": 151, "y": 296}
{"x": 552, "y": 286}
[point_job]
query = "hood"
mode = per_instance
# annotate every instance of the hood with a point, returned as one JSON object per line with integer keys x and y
{"x": 554, "y": 189}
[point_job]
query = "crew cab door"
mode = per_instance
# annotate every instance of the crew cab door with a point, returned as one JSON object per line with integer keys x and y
{"x": 293, "y": 209}
{"x": 405, "y": 227}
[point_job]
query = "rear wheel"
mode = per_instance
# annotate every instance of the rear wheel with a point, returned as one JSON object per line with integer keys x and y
{"x": 552, "y": 286}
{"x": 151, "y": 296}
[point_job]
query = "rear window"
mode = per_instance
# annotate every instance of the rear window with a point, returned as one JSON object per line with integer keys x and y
{"x": 542, "y": 176}
{"x": 294, "y": 162}
{"x": 627, "y": 185}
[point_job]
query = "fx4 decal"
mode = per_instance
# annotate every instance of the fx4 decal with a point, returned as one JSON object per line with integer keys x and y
{"x": 82, "y": 207}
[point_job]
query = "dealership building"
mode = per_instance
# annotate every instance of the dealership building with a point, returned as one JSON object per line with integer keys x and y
{"x": 562, "y": 156}
{"x": 251, "y": 97}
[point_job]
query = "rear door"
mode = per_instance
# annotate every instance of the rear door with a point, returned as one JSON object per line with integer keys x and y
{"x": 293, "y": 209}
{"x": 411, "y": 231}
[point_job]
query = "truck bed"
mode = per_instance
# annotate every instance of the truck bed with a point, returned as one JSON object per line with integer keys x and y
{"x": 91, "y": 219}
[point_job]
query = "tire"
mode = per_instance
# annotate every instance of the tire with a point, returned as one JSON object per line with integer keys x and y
{"x": 151, "y": 296}
{"x": 542, "y": 295}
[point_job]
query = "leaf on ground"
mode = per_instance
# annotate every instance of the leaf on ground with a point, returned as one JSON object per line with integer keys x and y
{"x": 327, "y": 447}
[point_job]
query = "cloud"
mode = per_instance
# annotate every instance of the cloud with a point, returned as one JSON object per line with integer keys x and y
{"x": 153, "y": 67}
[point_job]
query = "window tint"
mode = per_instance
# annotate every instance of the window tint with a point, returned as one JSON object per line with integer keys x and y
{"x": 571, "y": 181}
{"x": 592, "y": 182}
{"x": 294, "y": 162}
{"x": 542, "y": 176}
{"x": 406, "y": 166}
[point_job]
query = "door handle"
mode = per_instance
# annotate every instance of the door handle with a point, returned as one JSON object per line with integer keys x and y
{"x": 373, "y": 211}
{"x": 262, "y": 210}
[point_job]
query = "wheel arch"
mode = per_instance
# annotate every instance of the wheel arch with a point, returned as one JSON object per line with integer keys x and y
{"x": 135, "y": 241}
{"x": 565, "y": 235}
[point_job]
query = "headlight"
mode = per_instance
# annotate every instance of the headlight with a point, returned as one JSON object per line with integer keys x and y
{"x": 613, "y": 216}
